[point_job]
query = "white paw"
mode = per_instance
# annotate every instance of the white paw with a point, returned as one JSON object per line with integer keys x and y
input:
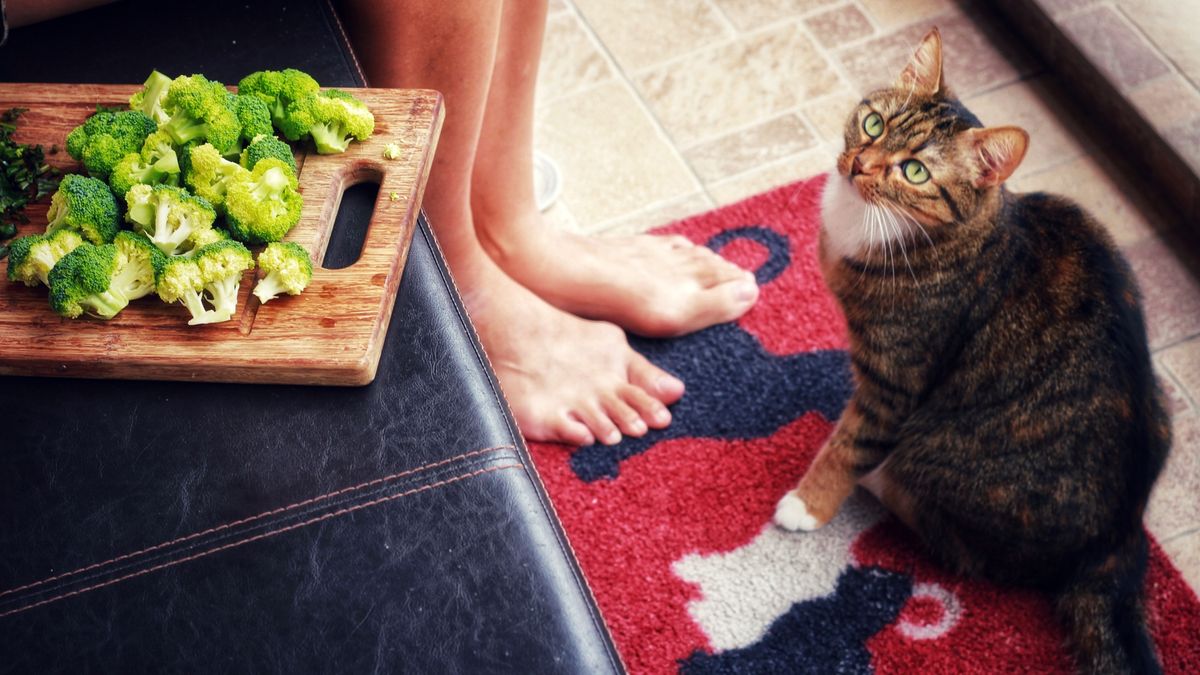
{"x": 791, "y": 514}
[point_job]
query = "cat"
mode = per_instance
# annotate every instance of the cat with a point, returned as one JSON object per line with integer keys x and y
{"x": 1005, "y": 407}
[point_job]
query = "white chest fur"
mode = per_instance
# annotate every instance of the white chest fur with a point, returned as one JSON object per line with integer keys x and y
{"x": 844, "y": 218}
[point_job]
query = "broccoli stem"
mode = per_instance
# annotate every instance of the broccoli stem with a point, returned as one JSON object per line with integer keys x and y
{"x": 268, "y": 288}
{"x": 330, "y": 138}
{"x": 44, "y": 261}
{"x": 185, "y": 129}
{"x": 105, "y": 304}
{"x": 130, "y": 283}
{"x": 223, "y": 293}
{"x": 200, "y": 314}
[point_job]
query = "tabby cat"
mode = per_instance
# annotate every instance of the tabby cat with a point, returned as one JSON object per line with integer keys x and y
{"x": 1005, "y": 407}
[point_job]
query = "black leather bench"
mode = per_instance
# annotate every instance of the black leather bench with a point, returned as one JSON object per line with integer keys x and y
{"x": 188, "y": 527}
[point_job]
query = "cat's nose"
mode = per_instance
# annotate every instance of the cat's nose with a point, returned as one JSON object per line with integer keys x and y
{"x": 856, "y": 167}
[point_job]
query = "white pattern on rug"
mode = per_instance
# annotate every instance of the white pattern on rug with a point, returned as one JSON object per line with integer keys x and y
{"x": 744, "y": 590}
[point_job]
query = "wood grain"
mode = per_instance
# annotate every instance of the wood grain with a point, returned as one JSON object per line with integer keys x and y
{"x": 332, "y": 334}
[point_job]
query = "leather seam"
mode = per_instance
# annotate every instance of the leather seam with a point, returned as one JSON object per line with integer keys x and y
{"x": 337, "y": 21}
{"x": 264, "y": 535}
{"x": 564, "y": 543}
{"x": 229, "y": 534}
{"x": 260, "y": 516}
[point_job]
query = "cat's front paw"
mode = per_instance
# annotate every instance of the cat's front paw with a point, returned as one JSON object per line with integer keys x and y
{"x": 792, "y": 514}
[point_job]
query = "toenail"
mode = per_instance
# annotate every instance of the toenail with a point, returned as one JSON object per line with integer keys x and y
{"x": 638, "y": 426}
{"x": 613, "y": 437}
{"x": 747, "y": 292}
{"x": 662, "y": 416}
{"x": 667, "y": 384}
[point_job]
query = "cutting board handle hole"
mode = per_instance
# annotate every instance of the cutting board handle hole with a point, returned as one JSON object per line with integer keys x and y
{"x": 351, "y": 224}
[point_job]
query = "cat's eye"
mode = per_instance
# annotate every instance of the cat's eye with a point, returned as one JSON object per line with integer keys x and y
{"x": 915, "y": 171}
{"x": 873, "y": 125}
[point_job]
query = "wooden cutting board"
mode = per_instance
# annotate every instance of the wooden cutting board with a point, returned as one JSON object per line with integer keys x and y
{"x": 332, "y": 334}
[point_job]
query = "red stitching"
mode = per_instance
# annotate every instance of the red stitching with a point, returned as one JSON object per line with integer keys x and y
{"x": 243, "y": 521}
{"x": 264, "y": 535}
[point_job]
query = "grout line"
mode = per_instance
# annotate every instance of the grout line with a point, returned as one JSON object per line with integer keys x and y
{"x": 1165, "y": 371}
{"x": 623, "y": 78}
{"x": 609, "y": 224}
{"x": 723, "y": 16}
{"x": 725, "y": 180}
{"x": 1178, "y": 535}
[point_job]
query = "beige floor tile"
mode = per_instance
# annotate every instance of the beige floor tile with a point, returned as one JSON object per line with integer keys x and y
{"x": 1167, "y": 101}
{"x": 1183, "y": 362}
{"x": 658, "y": 215}
{"x": 1031, "y": 105}
{"x": 798, "y": 167}
{"x": 556, "y": 6}
{"x": 1185, "y": 554}
{"x": 1171, "y": 26}
{"x": 758, "y": 76}
{"x": 1173, "y": 507}
{"x": 1101, "y": 192}
{"x": 828, "y": 116}
{"x": 749, "y": 148}
{"x": 570, "y": 60}
{"x": 839, "y": 25}
{"x": 640, "y": 34}
{"x": 559, "y": 217}
{"x": 751, "y": 14}
{"x": 1178, "y": 401}
{"x": 614, "y": 160}
{"x": 896, "y": 13}
{"x": 1113, "y": 45}
{"x": 973, "y": 60}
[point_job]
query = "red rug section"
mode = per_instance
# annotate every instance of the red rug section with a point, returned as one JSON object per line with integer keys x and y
{"x": 707, "y": 495}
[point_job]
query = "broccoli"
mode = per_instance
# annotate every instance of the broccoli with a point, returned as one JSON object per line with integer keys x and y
{"x": 332, "y": 118}
{"x": 288, "y": 268}
{"x": 215, "y": 270}
{"x": 157, "y": 163}
{"x": 204, "y": 237}
{"x": 106, "y": 137}
{"x": 200, "y": 110}
{"x": 265, "y": 207}
{"x": 31, "y": 257}
{"x": 391, "y": 151}
{"x": 101, "y": 280}
{"x": 178, "y": 280}
{"x": 221, "y": 266}
{"x": 86, "y": 205}
{"x": 149, "y": 99}
{"x": 279, "y": 90}
{"x": 268, "y": 146}
{"x": 209, "y": 175}
{"x": 138, "y": 258}
{"x": 253, "y": 116}
{"x": 168, "y": 215}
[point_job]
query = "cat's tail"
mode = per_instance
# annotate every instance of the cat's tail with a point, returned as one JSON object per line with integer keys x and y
{"x": 1101, "y": 608}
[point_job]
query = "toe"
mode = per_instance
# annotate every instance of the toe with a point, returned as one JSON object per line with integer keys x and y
{"x": 572, "y": 432}
{"x": 650, "y": 409}
{"x": 600, "y": 424}
{"x": 679, "y": 241}
{"x": 626, "y": 418}
{"x": 654, "y": 380}
{"x": 723, "y": 302}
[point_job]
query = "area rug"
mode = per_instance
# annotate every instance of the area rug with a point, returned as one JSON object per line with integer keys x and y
{"x": 674, "y": 533}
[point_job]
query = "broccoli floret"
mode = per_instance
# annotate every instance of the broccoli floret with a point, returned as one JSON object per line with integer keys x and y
{"x": 168, "y": 215}
{"x": 178, "y": 280}
{"x": 253, "y": 116}
{"x": 279, "y": 90}
{"x": 157, "y": 163}
{"x": 149, "y": 99}
{"x": 100, "y": 280}
{"x": 288, "y": 270}
{"x": 391, "y": 151}
{"x": 138, "y": 257}
{"x": 268, "y": 146}
{"x": 265, "y": 207}
{"x": 30, "y": 258}
{"x": 106, "y": 137}
{"x": 204, "y": 237}
{"x": 210, "y": 175}
{"x": 221, "y": 266}
{"x": 86, "y": 205}
{"x": 332, "y": 119}
{"x": 200, "y": 110}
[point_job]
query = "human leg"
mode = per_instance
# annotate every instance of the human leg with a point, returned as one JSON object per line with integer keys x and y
{"x": 567, "y": 379}
{"x": 657, "y": 286}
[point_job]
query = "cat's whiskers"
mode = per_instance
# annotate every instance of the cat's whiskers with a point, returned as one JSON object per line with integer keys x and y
{"x": 895, "y": 222}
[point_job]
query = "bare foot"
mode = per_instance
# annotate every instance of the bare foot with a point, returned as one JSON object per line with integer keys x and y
{"x": 657, "y": 286}
{"x": 567, "y": 379}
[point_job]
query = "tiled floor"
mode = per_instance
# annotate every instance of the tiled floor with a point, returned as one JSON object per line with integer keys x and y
{"x": 656, "y": 111}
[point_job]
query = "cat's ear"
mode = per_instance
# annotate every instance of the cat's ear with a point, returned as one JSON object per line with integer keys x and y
{"x": 997, "y": 153}
{"x": 923, "y": 74}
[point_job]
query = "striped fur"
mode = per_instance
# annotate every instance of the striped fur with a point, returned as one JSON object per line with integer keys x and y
{"x": 1005, "y": 404}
